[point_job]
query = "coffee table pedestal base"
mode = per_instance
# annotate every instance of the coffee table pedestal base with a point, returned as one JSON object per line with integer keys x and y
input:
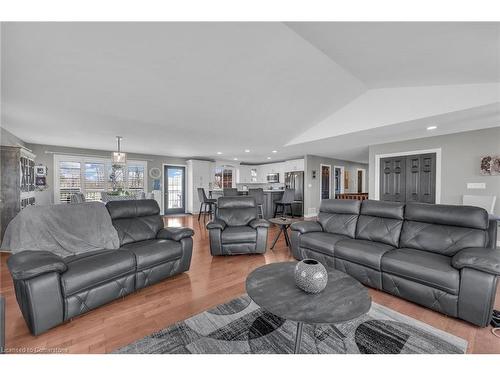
{"x": 298, "y": 337}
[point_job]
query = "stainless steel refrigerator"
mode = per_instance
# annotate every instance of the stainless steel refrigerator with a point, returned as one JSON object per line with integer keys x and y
{"x": 295, "y": 180}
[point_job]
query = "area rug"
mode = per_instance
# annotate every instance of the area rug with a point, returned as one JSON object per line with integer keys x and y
{"x": 240, "y": 326}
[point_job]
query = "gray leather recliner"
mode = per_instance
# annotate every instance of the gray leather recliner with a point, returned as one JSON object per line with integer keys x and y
{"x": 440, "y": 256}
{"x": 236, "y": 228}
{"x": 51, "y": 289}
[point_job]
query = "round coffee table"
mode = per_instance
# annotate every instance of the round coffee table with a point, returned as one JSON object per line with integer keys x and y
{"x": 273, "y": 288}
{"x": 284, "y": 223}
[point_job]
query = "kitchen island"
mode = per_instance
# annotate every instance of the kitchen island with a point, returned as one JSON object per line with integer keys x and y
{"x": 270, "y": 196}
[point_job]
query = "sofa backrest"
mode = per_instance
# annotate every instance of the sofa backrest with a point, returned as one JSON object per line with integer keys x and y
{"x": 339, "y": 216}
{"x": 135, "y": 220}
{"x": 236, "y": 211}
{"x": 380, "y": 221}
{"x": 443, "y": 229}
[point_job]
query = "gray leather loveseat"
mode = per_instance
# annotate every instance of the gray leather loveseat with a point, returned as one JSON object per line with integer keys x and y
{"x": 439, "y": 256}
{"x": 236, "y": 228}
{"x": 51, "y": 289}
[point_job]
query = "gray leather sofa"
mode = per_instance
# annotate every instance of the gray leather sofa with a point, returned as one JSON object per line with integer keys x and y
{"x": 236, "y": 228}
{"x": 440, "y": 256}
{"x": 51, "y": 289}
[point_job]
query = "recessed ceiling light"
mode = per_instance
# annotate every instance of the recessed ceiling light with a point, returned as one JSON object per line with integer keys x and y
{"x": 274, "y": 151}
{"x": 235, "y": 159}
{"x": 268, "y": 158}
{"x": 432, "y": 127}
{"x": 219, "y": 153}
{"x": 247, "y": 150}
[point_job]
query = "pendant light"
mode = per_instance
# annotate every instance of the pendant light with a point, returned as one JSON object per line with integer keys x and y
{"x": 119, "y": 157}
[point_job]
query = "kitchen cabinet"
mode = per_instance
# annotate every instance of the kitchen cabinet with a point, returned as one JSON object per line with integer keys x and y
{"x": 294, "y": 165}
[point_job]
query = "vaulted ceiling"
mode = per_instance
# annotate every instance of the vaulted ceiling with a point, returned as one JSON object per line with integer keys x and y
{"x": 195, "y": 89}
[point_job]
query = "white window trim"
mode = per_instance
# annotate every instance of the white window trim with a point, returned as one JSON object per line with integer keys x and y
{"x": 89, "y": 159}
{"x": 436, "y": 151}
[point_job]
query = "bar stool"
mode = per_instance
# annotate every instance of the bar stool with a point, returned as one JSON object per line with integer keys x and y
{"x": 286, "y": 201}
{"x": 258, "y": 194}
{"x": 210, "y": 204}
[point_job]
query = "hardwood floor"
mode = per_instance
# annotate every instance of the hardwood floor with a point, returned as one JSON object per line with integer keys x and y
{"x": 209, "y": 282}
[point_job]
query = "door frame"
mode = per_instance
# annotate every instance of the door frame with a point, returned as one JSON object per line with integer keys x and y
{"x": 342, "y": 173}
{"x": 321, "y": 181}
{"x": 163, "y": 185}
{"x": 363, "y": 179}
{"x": 436, "y": 151}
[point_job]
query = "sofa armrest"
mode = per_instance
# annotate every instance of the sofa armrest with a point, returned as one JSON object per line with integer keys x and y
{"x": 306, "y": 226}
{"x": 259, "y": 223}
{"x": 478, "y": 258}
{"x": 174, "y": 233}
{"x": 216, "y": 224}
{"x": 29, "y": 264}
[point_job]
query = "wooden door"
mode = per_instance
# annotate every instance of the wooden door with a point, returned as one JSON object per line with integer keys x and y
{"x": 393, "y": 179}
{"x": 360, "y": 181}
{"x": 408, "y": 178}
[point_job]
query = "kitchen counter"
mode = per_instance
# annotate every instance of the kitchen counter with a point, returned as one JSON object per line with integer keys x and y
{"x": 270, "y": 196}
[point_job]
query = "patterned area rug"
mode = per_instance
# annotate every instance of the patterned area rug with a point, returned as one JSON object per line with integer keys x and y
{"x": 240, "y": 326}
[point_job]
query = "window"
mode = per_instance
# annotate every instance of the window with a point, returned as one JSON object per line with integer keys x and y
{"x": 135, "y": 178}
{"x": 92, "y": 176}
{"x": 223, "y": 178}
{"x": 69, "y": 179}
{"x": 94, "y": 180}
{"x": 253, "y": 174}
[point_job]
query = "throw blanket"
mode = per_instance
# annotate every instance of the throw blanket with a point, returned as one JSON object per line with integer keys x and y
{"x": 64, "y": 229}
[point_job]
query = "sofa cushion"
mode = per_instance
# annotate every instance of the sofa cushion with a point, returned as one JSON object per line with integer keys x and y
{"x": 459, "y": 216}
{"x": 135, "y": 220}
{"x": 89, "y": 270}
{"x": 321, "y": 241}
{"x": 380, "y": 221}
{"x": 150, "y": 253}
{"x": 441, "y": 239}
{"x": 339, "y": 216}
{"x": 242, "y": 234}
{"x": 433, "y": 270}
{"x": 236, "y": 211}
{"x": 366, "y": 253}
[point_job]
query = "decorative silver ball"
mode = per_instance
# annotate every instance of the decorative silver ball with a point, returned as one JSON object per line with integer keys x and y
{"x": 311, "y": 276}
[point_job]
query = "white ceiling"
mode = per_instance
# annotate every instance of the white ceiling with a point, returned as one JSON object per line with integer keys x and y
{"x": 192, "y": 89}
{"x": 394, "y": 54}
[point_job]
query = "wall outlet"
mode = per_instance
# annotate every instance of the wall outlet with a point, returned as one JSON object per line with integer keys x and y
{"x": 476, "y": 185}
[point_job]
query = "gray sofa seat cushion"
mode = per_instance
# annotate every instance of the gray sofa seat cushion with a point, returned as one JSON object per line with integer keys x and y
{"x": 366, "y": 253}
{"x": 152, "y": 252}
{"x": 241, "y": 234}
{"x": 423, "y": 267}
{"x": 321, "y": 241}
{"x": 89, "y": 271}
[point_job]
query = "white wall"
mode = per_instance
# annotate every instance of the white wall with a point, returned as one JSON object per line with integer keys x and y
{"x": 381, "y": 107}
{"x": 312, "y": 185}
{"x": 460, "y": 154}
